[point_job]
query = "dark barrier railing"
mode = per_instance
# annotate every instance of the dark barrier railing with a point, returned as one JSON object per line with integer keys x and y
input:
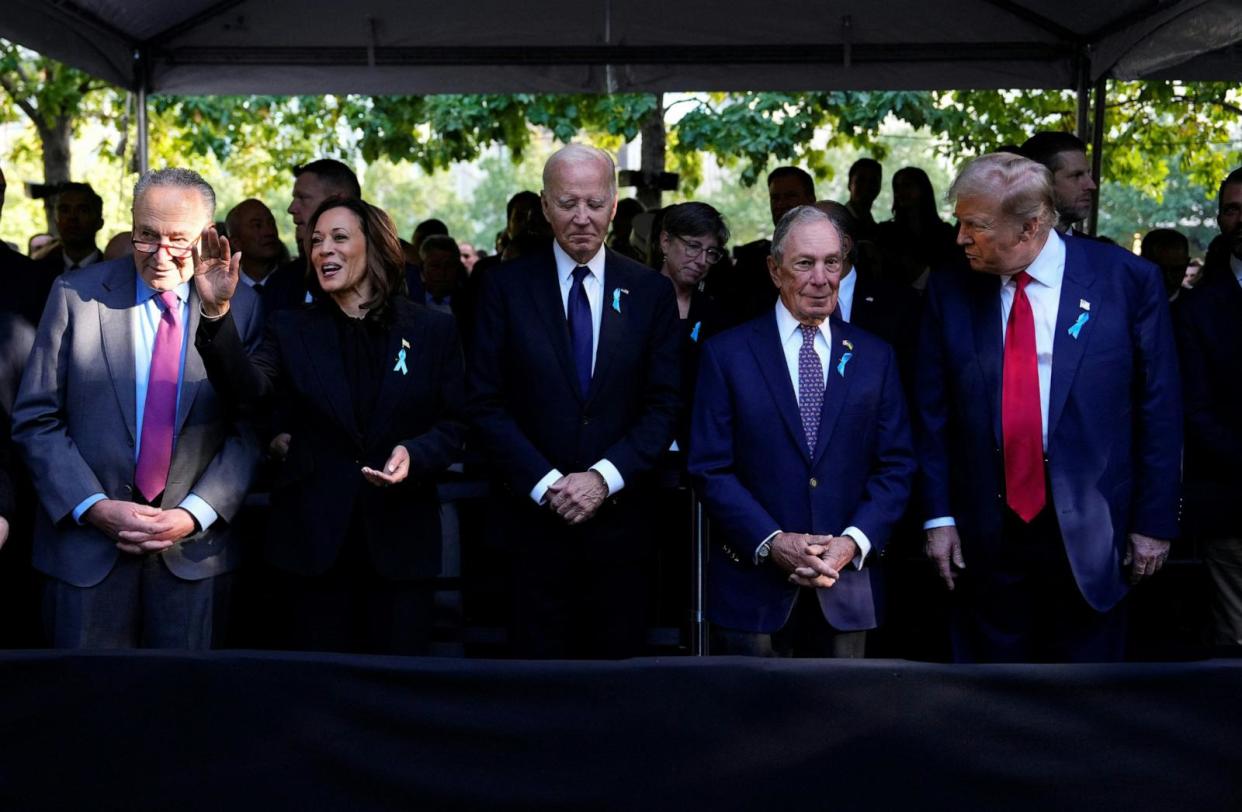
{"x": 1169, "y": 614}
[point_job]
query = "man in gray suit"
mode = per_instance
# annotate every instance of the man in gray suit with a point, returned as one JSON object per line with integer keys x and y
{"x": 138, "y": 467}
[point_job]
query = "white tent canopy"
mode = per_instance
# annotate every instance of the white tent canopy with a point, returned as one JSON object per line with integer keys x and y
{"x": 596, "y": 46}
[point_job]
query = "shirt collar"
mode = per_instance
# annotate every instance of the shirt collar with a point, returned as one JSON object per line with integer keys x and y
{"x": 787, "y": 326}
{"x": 1236, "y": 264}
{"x": 565, "y": 264}
{"x": 144, "y": 292}
{"x": 846, "y": 288}
{"x": 89, "y": 259}
{"x": 1049, "y": 266}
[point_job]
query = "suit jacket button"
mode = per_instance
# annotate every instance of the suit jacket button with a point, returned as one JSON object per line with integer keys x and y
{"x": 814, "y": 482}
{"x": 586, "y": 421}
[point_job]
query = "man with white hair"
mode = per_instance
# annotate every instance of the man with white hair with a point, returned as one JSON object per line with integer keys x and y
{"x": 1048, "y": 424}
{"x": 800, "y": 450}
{"x": 574, "y": 389}
{"x": 138, "y": 466}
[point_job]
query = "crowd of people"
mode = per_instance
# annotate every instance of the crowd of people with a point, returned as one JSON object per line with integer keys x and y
{"x": 1045, "y": 409}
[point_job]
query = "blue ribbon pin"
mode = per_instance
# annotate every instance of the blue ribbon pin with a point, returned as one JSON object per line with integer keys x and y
{"x": 845, "y": 359}
{"x": 1077, "y": 327}
{"x": 401, "y": 367}
{"x": 616, "y": 298}
{"x": 694, "y": 334}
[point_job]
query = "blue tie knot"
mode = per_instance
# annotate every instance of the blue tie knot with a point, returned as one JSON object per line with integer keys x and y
{"x": 580, "y": 273}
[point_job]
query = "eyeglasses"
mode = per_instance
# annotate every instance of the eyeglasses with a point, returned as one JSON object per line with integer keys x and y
{"x": 694, "y": 250}
{"x": 174, "y": 250}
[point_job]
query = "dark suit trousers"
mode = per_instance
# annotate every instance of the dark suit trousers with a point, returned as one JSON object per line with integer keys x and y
{"x": 351, "y": 608}
{"x": 1025, "y": 606}
{"x": 580, "y": 592}
{"x": 140, "y": 604}
{"x": 806, "y": 634}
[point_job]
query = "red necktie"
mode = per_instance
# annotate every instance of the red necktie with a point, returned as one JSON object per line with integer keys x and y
{"x": 160, "y": 412}
{"x": 1021, "y": 424}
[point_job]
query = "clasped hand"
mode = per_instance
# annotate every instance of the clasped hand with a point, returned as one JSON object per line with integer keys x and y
{"x": 812, "y": 561}
{"x": 576, "y": 497}
{"x": 138, "y": 528}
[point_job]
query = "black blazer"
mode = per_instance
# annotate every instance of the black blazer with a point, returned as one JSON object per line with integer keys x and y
{"x": 890, "y": 312}
{"x": 524, "y": 400}
{"x": 319, "y": 486}
{"x": 1208, "y": 324}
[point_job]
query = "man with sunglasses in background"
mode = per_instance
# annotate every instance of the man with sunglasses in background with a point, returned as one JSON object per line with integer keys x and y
{"x": 138, "y": 467}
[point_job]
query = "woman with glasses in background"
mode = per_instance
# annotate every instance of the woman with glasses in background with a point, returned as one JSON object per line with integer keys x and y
{"x": 692, "y": 240}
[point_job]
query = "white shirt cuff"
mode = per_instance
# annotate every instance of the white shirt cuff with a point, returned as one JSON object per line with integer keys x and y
{"x": 85, "y": 505}
{"x": 202, "y": 512}
{"x": 943, "y": 521}
{"x": 541, "y": 487}
{"x": 770, "y": 536}
{"x": 611, "y": 476}
{"x": 864, "y": 544}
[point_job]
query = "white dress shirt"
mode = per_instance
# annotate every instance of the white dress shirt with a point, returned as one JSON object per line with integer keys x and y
{"x": 1236, "y": 265}
{"x": 443, "y": 305}
{"x": 1044, "y": 294}
{"x": 845, "y": 295}
{"x": 790, "y": 332}
{"x": 593, "y": 284}
{"x": 89, "y": 259}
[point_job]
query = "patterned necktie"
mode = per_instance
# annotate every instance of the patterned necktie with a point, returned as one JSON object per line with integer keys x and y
{"x": 1021, "y": 421}
{"x": 580, "y": 328}
{"x": 810, "y": 385}
{"x": 160, "y": 412}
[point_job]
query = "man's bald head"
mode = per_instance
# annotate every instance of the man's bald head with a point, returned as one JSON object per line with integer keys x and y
{"x": 252, "y": 230}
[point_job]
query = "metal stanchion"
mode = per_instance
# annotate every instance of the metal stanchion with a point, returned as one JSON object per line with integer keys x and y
{"x": 699, "y": 534}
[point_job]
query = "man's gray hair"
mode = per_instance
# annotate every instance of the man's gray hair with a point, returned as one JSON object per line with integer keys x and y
{"x": 794, "y": 218}
{"x": 179, "y": 178}
{"x": 581, "y": 153}
{"x": 1022, "y": 187}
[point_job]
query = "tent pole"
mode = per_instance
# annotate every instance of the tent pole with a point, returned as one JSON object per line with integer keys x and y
{"x": 141, "y": 81}
{"x": 1084, "y": 97}
{"x": 1097, "y": 150}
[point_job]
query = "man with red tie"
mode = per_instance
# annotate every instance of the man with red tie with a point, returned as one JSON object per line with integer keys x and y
{"x": 139, "y": 468}
{"x": 1048, "y": 425}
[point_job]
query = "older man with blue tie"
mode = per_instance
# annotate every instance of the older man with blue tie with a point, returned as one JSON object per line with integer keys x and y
{"x": 574, "y": 390}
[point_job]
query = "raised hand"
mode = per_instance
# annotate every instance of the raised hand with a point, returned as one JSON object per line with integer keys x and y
{"x": 215, "y": 272}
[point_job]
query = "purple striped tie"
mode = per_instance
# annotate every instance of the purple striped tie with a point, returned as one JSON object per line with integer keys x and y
{"x": 160, "y": 412}
{"x": 810, "y": 385}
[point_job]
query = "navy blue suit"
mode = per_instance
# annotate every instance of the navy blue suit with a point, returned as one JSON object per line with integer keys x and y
{"x": 1208, "y": 323}
{"x": 1114, "y": 416}
{"x": 530, "y": 416}
{"x": 755, "y": 474}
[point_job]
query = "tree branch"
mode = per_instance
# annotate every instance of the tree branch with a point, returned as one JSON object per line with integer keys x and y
{"x": 24, "y": 104}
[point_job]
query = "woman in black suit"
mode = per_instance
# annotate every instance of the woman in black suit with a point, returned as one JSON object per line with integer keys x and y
{"x": 370, "y": 386}
{"x": 693, "y": 237}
